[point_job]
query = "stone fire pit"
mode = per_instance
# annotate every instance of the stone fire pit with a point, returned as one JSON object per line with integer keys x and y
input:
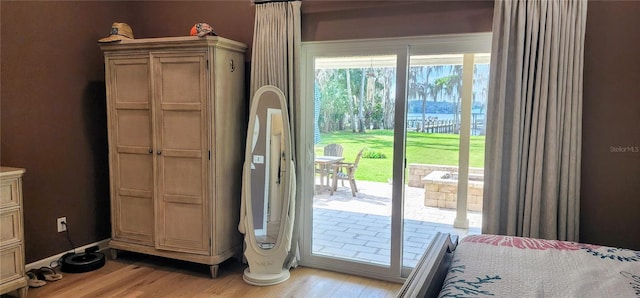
{"x": 441, "y": 190}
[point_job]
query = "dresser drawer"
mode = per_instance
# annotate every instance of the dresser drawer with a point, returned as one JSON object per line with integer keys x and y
{"x": 9, "y": 193}
{"x": 11, "y": 263}
{"x": 10, "y": 227}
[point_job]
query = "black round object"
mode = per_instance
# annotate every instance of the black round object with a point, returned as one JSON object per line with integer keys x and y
{"x": 82, "y": 262}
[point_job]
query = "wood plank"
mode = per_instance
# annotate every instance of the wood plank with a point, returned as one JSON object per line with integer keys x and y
{"x": 139, "y": 275}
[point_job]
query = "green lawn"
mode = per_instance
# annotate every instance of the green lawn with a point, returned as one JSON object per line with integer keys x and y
{"x": 425, "y": 148}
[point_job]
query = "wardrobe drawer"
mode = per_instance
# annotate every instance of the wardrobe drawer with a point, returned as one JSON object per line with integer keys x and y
{"x": 10, "y": 227}
{"x": 9, "y": 193}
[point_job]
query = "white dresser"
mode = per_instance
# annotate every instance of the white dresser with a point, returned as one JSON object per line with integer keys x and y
{"x": 12, "y": 272}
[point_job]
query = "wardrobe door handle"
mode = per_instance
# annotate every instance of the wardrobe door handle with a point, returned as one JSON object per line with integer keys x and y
{"x": 159, "y": 152}
{"x": 150, "y": 151}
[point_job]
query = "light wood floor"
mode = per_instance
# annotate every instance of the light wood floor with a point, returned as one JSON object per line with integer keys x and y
{"x": 136, "y": 275}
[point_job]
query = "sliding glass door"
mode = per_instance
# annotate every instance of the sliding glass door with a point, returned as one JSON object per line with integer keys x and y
{"x": 354, "y": 100}
{"x": 371, "y": 113}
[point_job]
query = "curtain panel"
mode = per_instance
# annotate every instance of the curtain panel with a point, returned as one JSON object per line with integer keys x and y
{"x": 275, "y": 61}
{"x": 534, "y": 119}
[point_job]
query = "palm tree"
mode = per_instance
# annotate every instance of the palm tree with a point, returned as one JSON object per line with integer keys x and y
{"x": 455, "y": 83}
{"x": 451, "y": 86}
{"x": 422, "y": 88}
{"x": 418, "y": 88}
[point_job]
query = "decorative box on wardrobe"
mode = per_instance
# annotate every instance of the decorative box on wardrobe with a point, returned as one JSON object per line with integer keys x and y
{"x": 177, "y": 126}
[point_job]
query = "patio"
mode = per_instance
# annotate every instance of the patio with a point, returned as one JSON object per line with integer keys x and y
{"x": 359, "y": 227}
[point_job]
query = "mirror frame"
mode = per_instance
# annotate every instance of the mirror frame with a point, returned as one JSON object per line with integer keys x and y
{"x": 248, "y": 183}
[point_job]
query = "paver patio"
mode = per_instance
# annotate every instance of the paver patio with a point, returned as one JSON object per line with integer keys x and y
{"x": 359, "y": 227}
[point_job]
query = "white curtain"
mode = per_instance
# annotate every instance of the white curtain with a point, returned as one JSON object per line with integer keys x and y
{"x": 534, "y": 127}
{"x": 275, "y": 60}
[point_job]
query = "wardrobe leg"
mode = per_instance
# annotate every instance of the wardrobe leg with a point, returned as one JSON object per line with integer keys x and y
{"x": 114, "y": 253}
{"x": 214, "y": 270}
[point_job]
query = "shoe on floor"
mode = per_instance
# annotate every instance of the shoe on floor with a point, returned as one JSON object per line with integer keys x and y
{"x": 49, "y": 274}
{"x": 34, "y": 282}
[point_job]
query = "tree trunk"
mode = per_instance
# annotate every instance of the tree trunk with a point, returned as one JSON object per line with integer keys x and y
{"x": 424, "y": 116}
{"x": 350, "y": 97}
{"x": 388, "y": 106}
{"x": 361, "y": 105}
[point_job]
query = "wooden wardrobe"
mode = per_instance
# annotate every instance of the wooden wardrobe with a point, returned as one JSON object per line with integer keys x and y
{"x": 176, "y": 125}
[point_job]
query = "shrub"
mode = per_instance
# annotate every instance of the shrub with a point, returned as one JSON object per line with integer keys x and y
{"x": 368, "y": 153}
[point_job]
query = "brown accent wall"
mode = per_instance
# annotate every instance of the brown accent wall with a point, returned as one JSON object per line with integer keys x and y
{"x": 230, "y": 19}
{"x": 54, "y": 120}
{"x": 337, "y": 20}
{"x": 53, "y": 114}
{"x": 610, "y": 207}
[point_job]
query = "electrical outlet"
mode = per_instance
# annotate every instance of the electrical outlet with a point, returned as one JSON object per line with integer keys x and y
{"x": 62, "y": 227}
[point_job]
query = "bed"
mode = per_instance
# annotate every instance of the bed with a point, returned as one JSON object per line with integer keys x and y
{"x": 505, "y": 266}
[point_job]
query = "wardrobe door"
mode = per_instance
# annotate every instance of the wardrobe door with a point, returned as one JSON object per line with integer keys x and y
{"x": 131, "y": 146}
{"x": 180, "y": 92}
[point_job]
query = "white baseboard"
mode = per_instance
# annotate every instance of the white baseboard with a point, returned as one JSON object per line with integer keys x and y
{"x": 47, "y": 262}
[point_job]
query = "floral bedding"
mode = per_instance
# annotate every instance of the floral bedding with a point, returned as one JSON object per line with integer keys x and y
{"x": 504, "y": 266}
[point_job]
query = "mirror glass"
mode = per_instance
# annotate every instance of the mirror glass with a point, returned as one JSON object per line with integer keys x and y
{"x": 268, "y": 169}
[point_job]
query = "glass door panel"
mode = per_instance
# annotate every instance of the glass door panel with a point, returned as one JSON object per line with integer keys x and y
{"x": 435, "y": 145}
{"x": 353, "y": 141}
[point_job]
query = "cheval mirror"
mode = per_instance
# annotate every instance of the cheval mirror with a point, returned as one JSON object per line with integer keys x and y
{"x": 268, "y": 186}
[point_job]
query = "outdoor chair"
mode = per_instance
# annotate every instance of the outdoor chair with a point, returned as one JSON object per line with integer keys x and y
{"x": 346, "y": 171}
{"x": 333, "y": 150}
{"x": 329, "y": 150}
